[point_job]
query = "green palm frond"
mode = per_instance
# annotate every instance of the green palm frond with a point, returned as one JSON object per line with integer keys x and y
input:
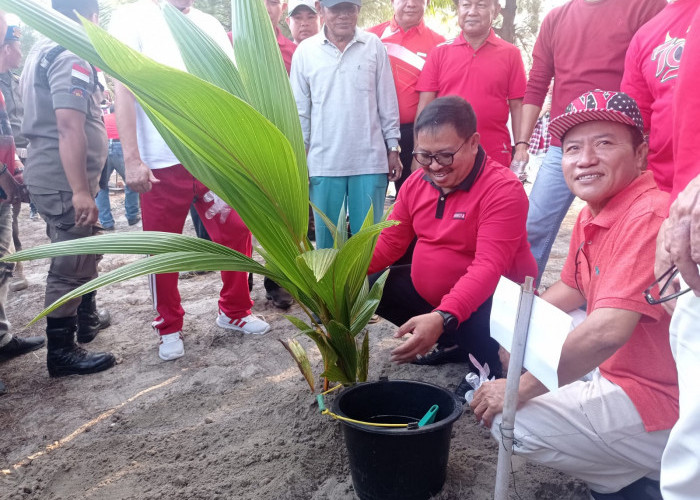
{"x": 235, "y": 127}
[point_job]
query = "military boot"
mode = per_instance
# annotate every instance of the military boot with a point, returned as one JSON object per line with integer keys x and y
{"x": 64, "y": 357}
{"x": 90, "y": 319}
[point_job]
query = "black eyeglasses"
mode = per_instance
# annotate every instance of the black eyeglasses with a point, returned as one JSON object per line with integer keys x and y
{"x": 667, "y": 280}
{"x": 444, "y": 159}
{"x": 577, "y": 266}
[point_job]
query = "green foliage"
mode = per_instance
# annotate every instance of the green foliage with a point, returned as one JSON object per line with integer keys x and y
{"x": 235, "y": 128}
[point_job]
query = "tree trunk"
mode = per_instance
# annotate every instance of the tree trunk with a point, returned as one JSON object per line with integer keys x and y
{"x": 507, "y": 31}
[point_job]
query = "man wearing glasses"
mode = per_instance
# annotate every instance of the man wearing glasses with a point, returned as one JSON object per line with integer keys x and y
{"x": 609, "y": 431}
{"x": 468, "y": 215}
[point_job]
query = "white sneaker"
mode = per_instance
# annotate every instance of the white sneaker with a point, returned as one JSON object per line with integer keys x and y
{"x": 251, "y": 324}
{"x": 171, "y": 346}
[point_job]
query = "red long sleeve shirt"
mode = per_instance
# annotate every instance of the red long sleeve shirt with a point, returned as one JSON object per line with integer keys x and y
{"x": 651, "y": 72}
{"x": 582, "y": 46}
{"x": 467, "y": 239}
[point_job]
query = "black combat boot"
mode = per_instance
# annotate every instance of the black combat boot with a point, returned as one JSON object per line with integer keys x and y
{"x": 90, "y": 320}
{"x": 64, "y": 357}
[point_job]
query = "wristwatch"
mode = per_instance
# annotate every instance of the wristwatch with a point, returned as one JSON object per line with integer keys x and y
{"x": 393, "y": 149}
{"x": 449, "y": 321}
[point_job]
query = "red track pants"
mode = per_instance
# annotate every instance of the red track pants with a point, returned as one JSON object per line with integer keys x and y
{"x": 165, "y": 208}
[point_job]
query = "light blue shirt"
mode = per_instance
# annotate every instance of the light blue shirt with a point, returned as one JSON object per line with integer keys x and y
{"x": 347, "y": 104}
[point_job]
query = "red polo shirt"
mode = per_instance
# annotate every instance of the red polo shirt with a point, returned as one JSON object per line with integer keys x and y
{"x": 487, "y": 78}
{"x": 407, "y": 52}
{"x": 466, "y": 239}
{"x": 615, "y": 265}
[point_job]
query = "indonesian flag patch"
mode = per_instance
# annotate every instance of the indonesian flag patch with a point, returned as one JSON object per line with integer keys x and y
{"x": 80, "y": 73}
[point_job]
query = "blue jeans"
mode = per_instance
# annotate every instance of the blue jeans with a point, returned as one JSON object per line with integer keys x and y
{"x": 115, "y": 161}
{"x": 328, "y": 194}
{"x": 550, "y": 199}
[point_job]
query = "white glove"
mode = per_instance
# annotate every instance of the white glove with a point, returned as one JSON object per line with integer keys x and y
{"x": 219, "y": 207}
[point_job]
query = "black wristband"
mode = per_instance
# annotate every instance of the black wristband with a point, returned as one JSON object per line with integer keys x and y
{"x": 522, "y": 142}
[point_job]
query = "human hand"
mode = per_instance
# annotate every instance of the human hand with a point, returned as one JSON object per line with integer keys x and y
{"x": 682, "y": 235}
{"x": 520, "y": 161}
{"x": 219, "y": 207}
{"x": 425, "y": 328}
{"x": 488, "y": 401}
{"x": 139, "y": 177}
{"x": 11, "y": 188}
{"x": 395, "y": 166}
{"x": 662, "y": 264}
{"x": 85, "y": 209}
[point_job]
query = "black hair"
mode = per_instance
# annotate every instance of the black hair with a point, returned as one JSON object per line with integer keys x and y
{"x": 85, "y": 8}
{"x": 450, "y": 110}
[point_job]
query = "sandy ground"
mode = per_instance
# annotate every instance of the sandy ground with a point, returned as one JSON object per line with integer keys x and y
{"x": 232, "y": 419}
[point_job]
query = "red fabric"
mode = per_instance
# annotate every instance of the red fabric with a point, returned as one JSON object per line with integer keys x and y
{"x": 110, "y": 120}
{"x": 420, "y": 41}
{"x": 459, "y": 258}
{"x": 651, "y": 71}
{"x": 287, "y": 48}
{"x": 686, "y": 106}
{"x": 582, "y": 46}
{"x": 487, "y": 78}
{"x": 615, "y": 265}
{"x": 165, "y": 208}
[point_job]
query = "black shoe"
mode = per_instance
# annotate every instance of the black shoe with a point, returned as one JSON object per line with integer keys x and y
{"x": 64, "y": 357}
{"x": 134, "y": 221}
{"x": 90, "y": 319}
{"x": 18, "y": 346}
{"x": 280, "y": 298}
{"x": 441, "y": 355}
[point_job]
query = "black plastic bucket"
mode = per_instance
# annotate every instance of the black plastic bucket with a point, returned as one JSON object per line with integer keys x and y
{"x": 397, "y": 463}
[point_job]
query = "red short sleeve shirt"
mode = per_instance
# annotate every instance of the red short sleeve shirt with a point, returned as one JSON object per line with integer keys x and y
{"x": 487, "y": 78}
{"x": 611, "y": 261}
{"x": 407, "y": 51}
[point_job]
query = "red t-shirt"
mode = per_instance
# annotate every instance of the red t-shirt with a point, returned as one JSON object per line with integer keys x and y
{"x": 686, "y": 107}
{"x": 651, "y": 70}
{"x": 466, "y": 239}
{"x": 110, "y": 120}
{"x": 582, "y": 46}
{"x": 615, "y": 266}
{"x": 487, "y": 78}
{"x": 407, "y": 52}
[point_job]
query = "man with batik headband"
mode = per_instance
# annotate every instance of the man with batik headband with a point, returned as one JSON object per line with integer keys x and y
{"x": 63, "y": 122}
{"x": 609, "y": 431}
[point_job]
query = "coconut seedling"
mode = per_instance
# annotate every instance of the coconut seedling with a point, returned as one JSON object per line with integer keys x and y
{"x": 235, "y": 128}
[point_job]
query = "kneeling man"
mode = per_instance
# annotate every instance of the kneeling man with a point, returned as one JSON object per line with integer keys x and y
{"x": 609, "y": 431}
{"x": 467, "y": 214}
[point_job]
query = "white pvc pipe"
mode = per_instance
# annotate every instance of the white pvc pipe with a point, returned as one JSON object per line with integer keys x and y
{"x": 517, "y": 353}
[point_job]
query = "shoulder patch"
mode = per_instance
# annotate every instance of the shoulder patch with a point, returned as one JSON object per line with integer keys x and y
{"x": 80, "y": 73}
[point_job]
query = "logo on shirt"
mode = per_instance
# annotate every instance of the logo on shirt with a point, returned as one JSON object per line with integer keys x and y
{"x": 78, "y": 92}
{"x": 460, "y": 215}
{"x": 668, "y": 58}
